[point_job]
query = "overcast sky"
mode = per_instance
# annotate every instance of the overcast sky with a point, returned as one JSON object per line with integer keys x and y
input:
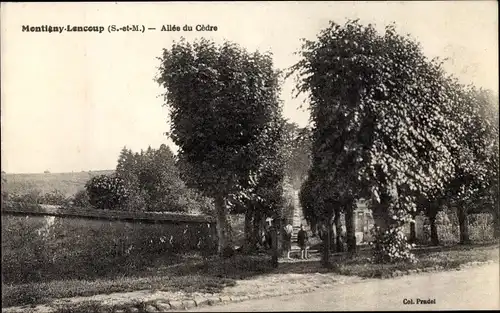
{"x": 71, "y": 101}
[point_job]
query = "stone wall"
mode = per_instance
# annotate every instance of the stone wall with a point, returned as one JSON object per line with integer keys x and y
{"x": 480, "y": 225}
{"x": 40, "y": 239}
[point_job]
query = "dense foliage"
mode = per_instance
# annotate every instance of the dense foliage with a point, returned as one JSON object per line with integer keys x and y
{"x": 380, "y": 111}
{"x": 37, "y": 248}
{"x": 33, "y": 196}
{"x": 222, "y": 100}
{"x": 391, "y": 246}
{"x": 107, "y": 192}
{"x": 55, "y": 197}
{"x": 264, "y": 194}
{"x": 81, "y": 199}
{"x": 153, "y": 181}
{"x": 476, "y": 159}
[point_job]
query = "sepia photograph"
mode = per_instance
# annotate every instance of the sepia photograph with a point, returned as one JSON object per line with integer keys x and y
{"x": 249, "y": 156}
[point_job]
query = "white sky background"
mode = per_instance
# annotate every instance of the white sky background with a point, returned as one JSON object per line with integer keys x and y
{"x": 71, "y": 101}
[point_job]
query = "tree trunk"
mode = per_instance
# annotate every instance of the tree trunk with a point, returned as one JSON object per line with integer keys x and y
{"x": 274, "y": 246}
{"x": 338, "y": 231}
{"x": 333, "y": 238}
{"x": 432, "y": 211}
{"x": 326, "y": 250}
{"x": 249, "y": 233}
{"x": 496, "y": 216}
{"x": 350, "y": 222}
{"x": 381, "y": 216}
{"x": 223, "y": 226}
{"x": 413, "y": 233}
{"x": 462, "y": 223}
{"x": 434, "y": 232}
{"x": 413, "y": 230}
{"x": 256, "y": 228}
{"x": 496, "y": 222}
{"x": 279, "y": 230}
{"x": 314, "y": 228}
{"x": 326, "y": 243}
{"x": 333, "y": 233}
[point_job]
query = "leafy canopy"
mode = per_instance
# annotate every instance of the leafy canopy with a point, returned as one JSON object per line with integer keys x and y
{"x": 222, "y": 102}
{"x": 154, "y": 182}
{"x": 379, "y": 113}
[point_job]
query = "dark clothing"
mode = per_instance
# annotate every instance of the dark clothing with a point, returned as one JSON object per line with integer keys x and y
{"x": 287, "y": 241}
{"x": 302, "y": 238}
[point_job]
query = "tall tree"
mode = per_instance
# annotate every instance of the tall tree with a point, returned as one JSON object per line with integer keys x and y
{"x": 221, "y": 99}
{"x": 154, "y": 183}
{"x": 126, "y": 167}
{"x": 316, "y": 202}
{"x": 472, "y": 188}
{"x": 262, "y": 194}
{"x": 377, "y": 107}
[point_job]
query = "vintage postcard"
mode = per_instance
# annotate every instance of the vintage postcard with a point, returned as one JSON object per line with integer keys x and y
{"x": 249, "y": 156}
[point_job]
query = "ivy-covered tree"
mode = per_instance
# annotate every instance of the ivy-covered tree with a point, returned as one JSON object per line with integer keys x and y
{"x": 474, "y": 184}
{"x": 378, "y": 107}
{"x": 221, "y": 100}
{"x": 491, "y": 192}
{"x": 472, "y": 187}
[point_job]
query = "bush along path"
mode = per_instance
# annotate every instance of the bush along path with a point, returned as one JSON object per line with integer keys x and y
{"x": 265, "y": 286}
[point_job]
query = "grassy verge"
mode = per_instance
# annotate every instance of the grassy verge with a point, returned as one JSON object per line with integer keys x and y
{"x": 211, "y": 276}
{"x": 192, "y": 275}
{"x": 444, "y": 257}
{"x": 38, "y": 293}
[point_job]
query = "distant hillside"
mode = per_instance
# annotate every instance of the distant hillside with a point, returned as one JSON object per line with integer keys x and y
{"x": 68, "y": 183}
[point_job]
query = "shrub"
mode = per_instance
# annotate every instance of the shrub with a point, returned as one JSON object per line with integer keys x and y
{"x": 192, "y": 202}
{"x": 55, "y": 197}
{"x": 81, "y": 199}
{"x": 33, "y": 196}
{"x": 23, "y": 249}
{"x": 107, "y": 192}
{"x": 137, "y": 200}
{"x": 154, "y": 183}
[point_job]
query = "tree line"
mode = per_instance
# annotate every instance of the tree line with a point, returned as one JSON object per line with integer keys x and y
{"x": 392, "y": 127}
{"x": 387, "y": 125}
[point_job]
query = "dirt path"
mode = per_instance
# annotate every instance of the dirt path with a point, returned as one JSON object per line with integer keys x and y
{"x": 472, "y": 288}
{"x": 268, "y": 285}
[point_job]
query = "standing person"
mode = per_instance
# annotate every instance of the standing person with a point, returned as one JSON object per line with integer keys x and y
{"x": 302, "y": 240}
{"x": 287, "y": 234}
